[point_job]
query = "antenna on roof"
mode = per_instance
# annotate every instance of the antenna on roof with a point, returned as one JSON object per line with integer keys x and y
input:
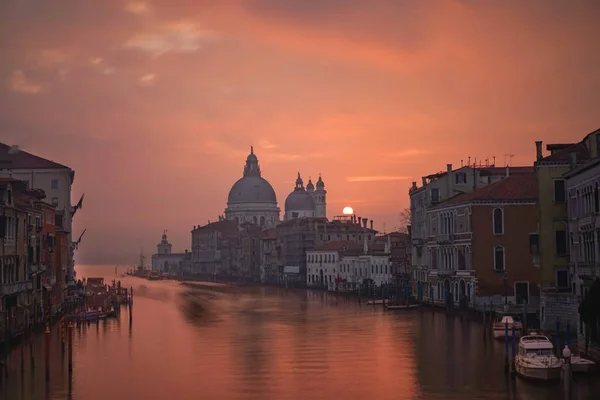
{"x": 510, "y": 156}
{"x": 494, "y": 164}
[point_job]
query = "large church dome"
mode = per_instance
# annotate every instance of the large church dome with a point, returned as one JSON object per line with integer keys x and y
{"x": 252, "y": 187}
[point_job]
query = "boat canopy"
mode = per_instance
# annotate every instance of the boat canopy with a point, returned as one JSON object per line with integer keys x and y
{"x": 535, "y": 342}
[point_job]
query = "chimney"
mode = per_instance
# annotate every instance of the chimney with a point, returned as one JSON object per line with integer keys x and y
{"x": 371, "y": 224}
{"x": 573, "y": 162}
{"x": 538, "y": 150}
{"x": 365, "y": 220}
{"x": 414, "y": 186}
{"x": 449, "y": 168}
{"x": 507, "y": 171}
{"x": 450, "y": 181}
{"x": 424, "y": 181}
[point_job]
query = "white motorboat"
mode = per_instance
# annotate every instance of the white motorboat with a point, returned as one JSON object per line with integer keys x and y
{"x": 499, "y": 327}
{"x": 580, "y": 365}
{"x": 376, "y": 302}
{"x": 536, "y": 360}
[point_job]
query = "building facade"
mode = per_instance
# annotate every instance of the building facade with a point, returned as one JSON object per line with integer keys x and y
{"x": 206, "y": 245}
{"x": 54, "y": 179}
{"x": 478, "y": 246}
{"x": 166, "y": 261}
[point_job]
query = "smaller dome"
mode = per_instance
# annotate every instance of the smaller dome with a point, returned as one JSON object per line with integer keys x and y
{"x": 310, "y": 187}
{"x": 251, "y": 157}
{"x": 320, "y": 183}
{"x": 299, "y": 200}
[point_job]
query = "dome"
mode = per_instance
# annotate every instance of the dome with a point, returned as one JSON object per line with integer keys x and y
{"x": 251, "y": 189}
{"x": 299, "y": 200}
{"x": 320, "y": 183}
{"x": 310, "y": 187}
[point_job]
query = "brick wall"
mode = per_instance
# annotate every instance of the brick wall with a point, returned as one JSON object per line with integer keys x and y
{"x": 563, "y": 306}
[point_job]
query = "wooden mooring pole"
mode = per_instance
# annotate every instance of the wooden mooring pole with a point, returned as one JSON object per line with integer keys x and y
{"x": 70, "y": 348}
{"x": 47, "y": 352}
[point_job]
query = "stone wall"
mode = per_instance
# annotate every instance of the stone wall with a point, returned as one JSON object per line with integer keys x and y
{"x": 563, "y": 306}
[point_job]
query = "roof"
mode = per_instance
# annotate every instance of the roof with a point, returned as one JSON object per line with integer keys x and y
{"x": 24, "y": 160}
{"x": 502, "y": 170}
{"x": 337, "y": 245}
{"x": 511, "y": 188}
{"x": 562, "y": 153}
{"x": 269, "y": 233}
{"x": 225, "y": 227}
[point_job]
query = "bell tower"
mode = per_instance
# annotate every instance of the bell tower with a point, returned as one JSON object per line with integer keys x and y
{"x": 320, "y": 199}
{"x": 164, "y": 247}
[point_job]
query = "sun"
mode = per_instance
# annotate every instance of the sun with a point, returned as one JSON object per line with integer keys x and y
{"x": 348, "y": 211}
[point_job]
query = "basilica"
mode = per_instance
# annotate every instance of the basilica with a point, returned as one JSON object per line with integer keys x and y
{"x": 252, "y": 198}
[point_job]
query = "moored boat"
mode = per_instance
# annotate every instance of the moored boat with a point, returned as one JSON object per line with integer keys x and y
{"x": 580, "y": 365}
{"x": 536, "y": 360}
{"x": 499, "y": 327}
{"x": 402, "y": 307}
{"x": 376, "y": 302}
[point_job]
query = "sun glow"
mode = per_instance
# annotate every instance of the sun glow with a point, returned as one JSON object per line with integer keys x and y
{"x": 348, "y": 211}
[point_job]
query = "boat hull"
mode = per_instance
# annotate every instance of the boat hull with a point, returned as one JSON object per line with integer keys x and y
{"x": 582, "y": 366}
{"x": 537, "y": 372}
{"x": 499, "y": 333}
{"x": 403, "y": 307}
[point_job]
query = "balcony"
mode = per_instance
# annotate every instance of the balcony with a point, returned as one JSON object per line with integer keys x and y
{"x": 15, "y": 287}
{"x": 586, "y": 221}
{"x": 444, "y": 238}
{"x": 586, "y": 269}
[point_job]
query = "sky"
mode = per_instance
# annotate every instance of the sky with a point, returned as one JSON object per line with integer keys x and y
{"x": 155, "y": 104}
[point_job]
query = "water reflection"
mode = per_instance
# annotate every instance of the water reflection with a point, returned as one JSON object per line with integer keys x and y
{"x": 272, "y": 343}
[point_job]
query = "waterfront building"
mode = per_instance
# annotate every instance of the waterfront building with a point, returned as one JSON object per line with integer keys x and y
{"x": 252, "y": 198}
{"x": 478, "y": 245}
{"x": 240, "y": 252}
{"x": 551, "y": 238}
{"x": 270, "y": 271}
{"x": 435, "y": 189}
{"x": 166, "y": 261}
{"x": 206, "y": 245}
{"x": 346, "y": 266}
{"x": 53, "y": 178}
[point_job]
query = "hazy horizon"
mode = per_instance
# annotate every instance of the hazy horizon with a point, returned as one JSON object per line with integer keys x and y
{"x": 155, "y": 104}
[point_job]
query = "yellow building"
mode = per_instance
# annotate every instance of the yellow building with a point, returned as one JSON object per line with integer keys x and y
{"x": 550, "y": 244}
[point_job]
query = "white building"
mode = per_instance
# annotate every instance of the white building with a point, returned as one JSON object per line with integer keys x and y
{"x": 435, "y": 189}
{"x": 166, "y": 261}
{"x": 53, "y": 178}
{"x": 344, "y": 266}
{"x": 306, "y": 203}
{"x": 583, "y": 190}
{"x": 252, "y": 198}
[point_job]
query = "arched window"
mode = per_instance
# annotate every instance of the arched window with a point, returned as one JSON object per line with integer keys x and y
{"x": 499, "y": 261}
{"x": 498, "y": 221}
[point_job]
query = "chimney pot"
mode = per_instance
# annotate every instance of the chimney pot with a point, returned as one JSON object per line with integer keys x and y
{"x": 414, "y": 185}
{"x": 507, "y": 171}
{"x": 449, "y": 168}
{"x": 538, "y": 150}
{"x": 371, "y": 224}
{"x": 424, "y": 181}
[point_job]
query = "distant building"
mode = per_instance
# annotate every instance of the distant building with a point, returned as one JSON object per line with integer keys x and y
{"x": 346, "y": 266}
{"x": 206, "y": 245}
{"x": 53, "y": 178}
{"x": 306, "y": 203}
{"x": 166, "y": 261}
{"x": 252, "y": 198}
{"x": 478, "y": 246}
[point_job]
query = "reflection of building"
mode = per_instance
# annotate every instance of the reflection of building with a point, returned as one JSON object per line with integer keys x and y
{"x": 478, "y": 245}
{"x": 252, "y": 198}
{"x": 345, "y": 266}
{"x": 166, "y": 261}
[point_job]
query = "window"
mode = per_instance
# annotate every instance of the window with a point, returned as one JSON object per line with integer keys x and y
{"x": 561, "y": 242}
{"x": 55, "y": 202}
{"x": 562, "y": 279}
{"x": 435, "y": 195}
{"x": 560, "y": 195}
{"x": 461, "y": 178}
{"x": 521, "y": 292}
{"x": 54, "y": 184}
{"x": 534, "y": 244}
{"x": 498, "y": 221}
{"x": 499, "y": 258}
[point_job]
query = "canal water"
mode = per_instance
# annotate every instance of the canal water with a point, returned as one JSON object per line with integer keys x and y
{"x": 269, "y": 343}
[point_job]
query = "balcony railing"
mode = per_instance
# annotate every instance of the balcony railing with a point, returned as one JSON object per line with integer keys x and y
{"x": 15, "y": 287}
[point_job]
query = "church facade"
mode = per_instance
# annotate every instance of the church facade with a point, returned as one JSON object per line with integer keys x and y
{"x": 166, "y": 261}
{"x": 306, "y": 202}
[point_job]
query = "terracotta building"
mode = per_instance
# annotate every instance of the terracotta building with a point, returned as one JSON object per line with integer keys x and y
{"x": 478, "y": 245}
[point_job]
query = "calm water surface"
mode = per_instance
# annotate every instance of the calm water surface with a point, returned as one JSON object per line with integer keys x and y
{"x": 272, "y": 344}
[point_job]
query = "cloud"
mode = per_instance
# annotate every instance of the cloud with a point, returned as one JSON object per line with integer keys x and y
{"x": 137, "y": 7}
{"x": 147, "y": 80}
{"x": 96, "y": 60}
{"x": 50, "y": 58}
{"x": 175, "y": 37}
{"x": 108, "y": 71}
{"x": 377, "y": 178}
{"x": 20, "y": 83}
{"x": 266, "y": 144}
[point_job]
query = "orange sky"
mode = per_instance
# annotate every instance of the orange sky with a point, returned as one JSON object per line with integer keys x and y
{"x": 155, "y": 104}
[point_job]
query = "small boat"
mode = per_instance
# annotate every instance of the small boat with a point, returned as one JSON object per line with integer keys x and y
{"x": 90, "y": 316}
{"x": 536, "y": 360}
{"x": 377, "y": 302}
{"x": 402, "y": 306}
{"x": 580, "y": 365}
{"x": 499, "y": 327}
